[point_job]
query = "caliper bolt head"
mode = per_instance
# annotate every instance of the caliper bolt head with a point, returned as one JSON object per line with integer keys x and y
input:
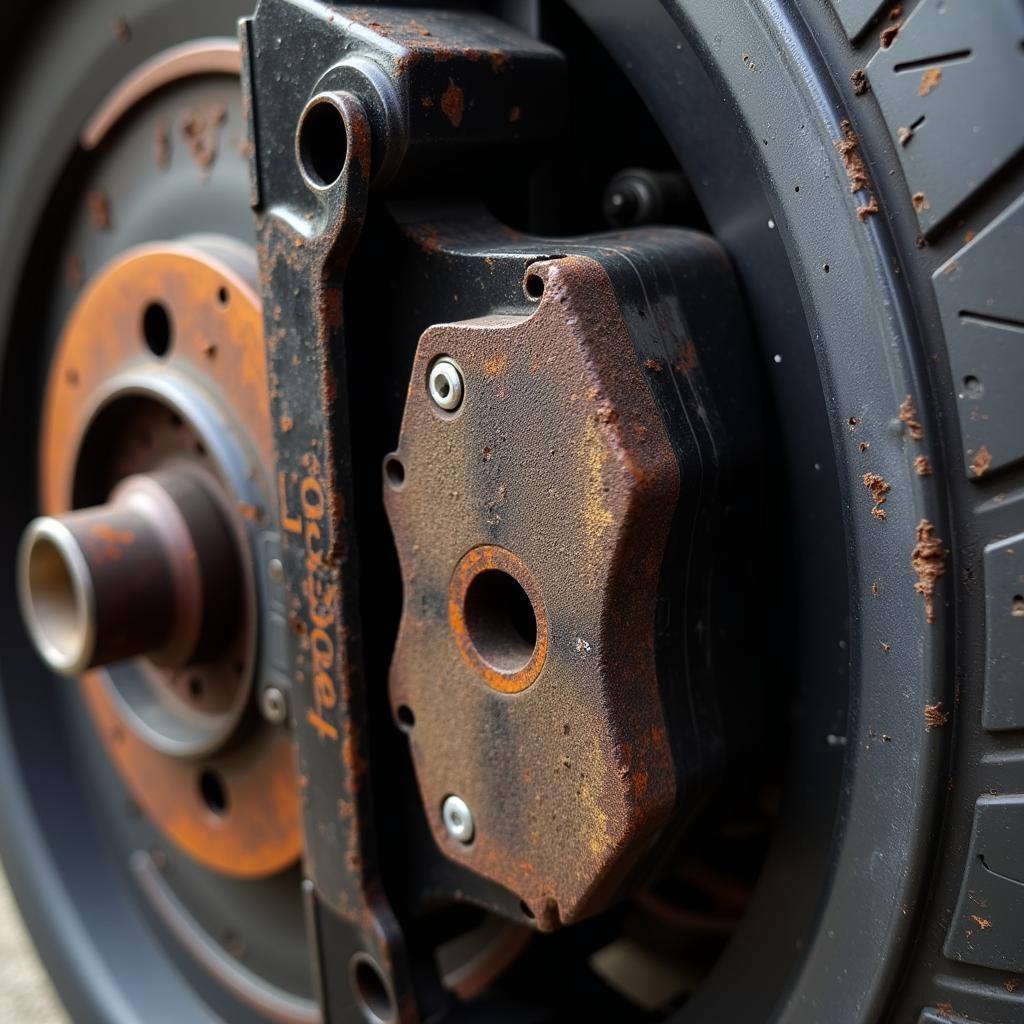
{"x": 458, "y": 819}
{"x": 445, "y": 384}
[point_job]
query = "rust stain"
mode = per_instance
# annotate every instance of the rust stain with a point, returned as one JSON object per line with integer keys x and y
{"x": 879, "y": 488}
{"x": 934, "y": 716}
{"x": 888, "y": 35}
{"x": 982, "y": 922}
{"x": 908, "y": 417}
{"x": 929, "y": 80}
{"x": 929, "y": 563}
{"x": 981, "y": 461}
{"x": 920, "y": 201}
{"x": 98, "y": 205}
{"x": 453, "y": 103}
{"x": 922, "y": 466}
{"x": 201, "y": 130}
{"x": 860, "y": 81}
{"x": 848, "y": 148}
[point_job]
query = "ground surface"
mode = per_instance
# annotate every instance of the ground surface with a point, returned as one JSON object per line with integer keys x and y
{"x": 26, "y": 995}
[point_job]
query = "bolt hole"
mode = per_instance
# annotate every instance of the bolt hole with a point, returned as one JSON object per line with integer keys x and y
{"x": 1017, "y": 606}
{"x": 972, "y": 387}
{"x": 525, "y": 908}
{"x": 372, "y": 990}
{"x": 213, "y": 792}
{"x": 406, "y": 719}
{"x": 534, "y": 286}
{"x": 323, "y": 143}
{"x": 223, "y": 295}
{"x": 394, "y": 471}
{"x": 500, "y": 620}
{"x": 826, "y": 267}
{"x": 156, "y": 329}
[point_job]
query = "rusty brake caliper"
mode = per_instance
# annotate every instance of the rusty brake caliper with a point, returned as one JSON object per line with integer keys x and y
{"x": 576, "y": 419}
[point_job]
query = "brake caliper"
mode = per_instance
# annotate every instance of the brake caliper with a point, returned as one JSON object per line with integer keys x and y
{"x": 576, "y": 425}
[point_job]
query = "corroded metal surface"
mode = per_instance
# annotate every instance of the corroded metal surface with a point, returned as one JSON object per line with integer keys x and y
{"x": 112, "y": 409}
{"x": 557, "y": 470}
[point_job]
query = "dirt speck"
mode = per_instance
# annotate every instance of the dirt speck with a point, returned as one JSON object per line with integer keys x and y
{"x": 286, "y": 423}
{"x": 874, "y": 589}
{"x": 653, "y": 365}
{"x": 121, "y": 29}
{"x": 922, "y": 466}
{"x": 453, "y": 103}
{"x": 929, "y": 563}
{"x": 74, "y": 270}
{"x": 1011, "y": 984}
{"x": 885, "y": 647}
{"x": 929, "y": 80}
{"x": 981, "y": 461}
{"x": 860, "y": 82}
{"x": 968, "y": 236}
{"x": 863, "y": 446}
{"x": 98, "y": 204}
{"x": 908, "y": 417}
{"x": 904, "y": 134}
{"x": 879, "y": 488}
{"x": 934, "y": 716}
{"x": 920, "y": 201}
{"x": 514, "y": 114}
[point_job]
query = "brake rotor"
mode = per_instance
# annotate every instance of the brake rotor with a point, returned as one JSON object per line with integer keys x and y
{"x": 161, "y": 370}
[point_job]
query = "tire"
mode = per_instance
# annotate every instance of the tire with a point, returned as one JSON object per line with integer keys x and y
{"x": 888, "y": 331}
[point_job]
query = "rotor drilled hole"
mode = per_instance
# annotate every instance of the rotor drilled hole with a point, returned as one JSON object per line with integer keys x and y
{"x": 214, "y": 792}
{"x": 501, "y": 621}
{"x": 371, "y": 990}
{"x": 534, "y": 286}
{"x": 405, "y": 716}
{"x": 1017, "y": 606}
{"x": 323, "y": 143}
{"x": 156, "y": 329}
{"x": 223, "y": 295}
{"x": 972, "y": 387}
{"x": 394, "y": 471}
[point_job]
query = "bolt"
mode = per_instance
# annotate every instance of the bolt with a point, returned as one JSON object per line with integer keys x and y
{"x": 445, "y": 384}
{"x": 274, "y": 705}
{"x": 275, "y": 570}
{"x": 458, "y": 819}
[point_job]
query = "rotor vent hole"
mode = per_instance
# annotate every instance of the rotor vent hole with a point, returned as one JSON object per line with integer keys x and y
{"x": 156, "y": 329}
{"x": 214, "y": 792}
{"x": 323, "y": 143}
{"x": 501, "y": 621}
{"x": 372, "y": 991}
{"x": 1017, "y": 606}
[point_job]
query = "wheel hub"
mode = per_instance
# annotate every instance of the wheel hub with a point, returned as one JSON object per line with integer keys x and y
{"x": 141, "y": 575}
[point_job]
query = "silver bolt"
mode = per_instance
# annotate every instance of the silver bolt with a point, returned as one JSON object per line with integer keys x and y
{"x": 275, "y": 570}
{"x": 274, "y": 705}
{"x": 458, "y": 819}
{"x": 445, "y": 384}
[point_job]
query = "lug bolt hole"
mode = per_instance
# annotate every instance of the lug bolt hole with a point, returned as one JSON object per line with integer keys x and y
{"x": 156, "y": 329}
{"x": 371, "y": 990}
{"x": 323, "y": 142}
{"x": 214, "y": 792}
